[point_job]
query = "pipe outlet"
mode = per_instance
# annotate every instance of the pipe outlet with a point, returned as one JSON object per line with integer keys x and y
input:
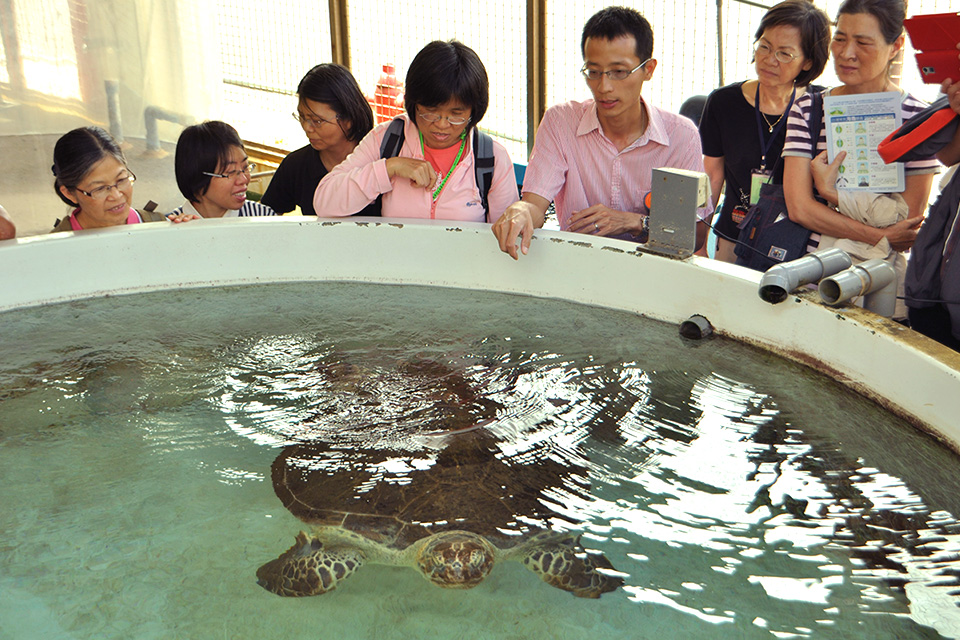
{"x": 779, "y": 280}
{"x": 875, "y": 279}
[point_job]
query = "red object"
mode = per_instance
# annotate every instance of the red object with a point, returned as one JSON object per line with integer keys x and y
{"x": 388, "y": 97}
{"x": 916, "y": 131}
{"x": 935, "y": 37}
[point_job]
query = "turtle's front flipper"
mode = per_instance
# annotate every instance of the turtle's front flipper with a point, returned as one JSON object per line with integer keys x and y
{"x": 566, "y": 565}
{"x": 307, "y": 569}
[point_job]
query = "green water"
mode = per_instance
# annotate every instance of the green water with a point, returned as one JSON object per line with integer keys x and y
{"x": 738, "y": 495}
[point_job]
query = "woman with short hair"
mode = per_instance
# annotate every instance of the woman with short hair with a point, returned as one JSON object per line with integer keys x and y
{"x": 744, "y": 124}
{"x": 434, "y": 174}
{"x": 213, "y": 173}
{"x": 335, "y": 116}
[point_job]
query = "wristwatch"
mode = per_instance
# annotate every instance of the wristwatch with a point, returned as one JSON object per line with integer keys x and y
{"x": 645, "y": 228}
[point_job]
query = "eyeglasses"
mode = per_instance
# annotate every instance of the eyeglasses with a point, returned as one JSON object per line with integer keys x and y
{"x": 316, "y": 122}
{"x": 101, "y": 193}
{"x": 246, "y": 169}
{"x": 592, "y": 75}
{"x": 430, "y": 116}
{"x": 763, "y": 49}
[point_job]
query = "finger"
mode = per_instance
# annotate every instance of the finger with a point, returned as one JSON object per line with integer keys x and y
{"x": 501, "y": 229}
{"x": 507, "y": 229}
{"x": 526, "y": 236}
{"x": 838, "y": 159}
{"x": 582, "y": 226}
{"x": 913, "y": 223}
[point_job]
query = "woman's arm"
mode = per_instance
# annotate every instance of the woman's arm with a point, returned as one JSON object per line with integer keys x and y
{"x": 714, "y": 170}
{"x": 803, "y": 209}
{"x": 355, "y": 182}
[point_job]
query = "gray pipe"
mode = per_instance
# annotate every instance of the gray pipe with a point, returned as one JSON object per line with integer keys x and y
{"x": 781, "y": 279}
{"x": 874, "y": 279}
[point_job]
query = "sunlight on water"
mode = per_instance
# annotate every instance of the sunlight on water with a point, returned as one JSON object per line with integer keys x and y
{"x": 149, "y": 444}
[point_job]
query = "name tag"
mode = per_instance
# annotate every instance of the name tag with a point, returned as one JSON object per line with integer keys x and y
{"x": 758, "y": 177}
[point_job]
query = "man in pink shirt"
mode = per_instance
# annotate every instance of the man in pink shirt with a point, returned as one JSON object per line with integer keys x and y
{"x": 595, "y": 159}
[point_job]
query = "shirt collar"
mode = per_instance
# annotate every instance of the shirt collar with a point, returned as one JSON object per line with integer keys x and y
{"x": 189, "y": 208}
{"x": 655, "y": 132}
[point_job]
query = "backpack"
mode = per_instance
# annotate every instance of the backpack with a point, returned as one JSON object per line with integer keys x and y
{"x": 482, "y": 156}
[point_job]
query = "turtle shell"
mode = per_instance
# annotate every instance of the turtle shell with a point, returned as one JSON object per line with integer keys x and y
{"x": 395, "y": 498}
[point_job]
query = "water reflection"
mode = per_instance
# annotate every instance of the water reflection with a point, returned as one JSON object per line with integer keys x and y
{"x": 735, "y": 495}
{"x": 452, "y": 502}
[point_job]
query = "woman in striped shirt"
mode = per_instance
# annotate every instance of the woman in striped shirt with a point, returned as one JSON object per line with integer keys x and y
{"x": 867, "y": 38}
{"x": 213, "y": 172}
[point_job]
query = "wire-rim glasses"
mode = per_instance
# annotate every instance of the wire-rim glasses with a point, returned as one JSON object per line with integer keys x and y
{"x": 761, "y": 48}
{"x": 101, "y": 192}
{"x": 316, "y": 121}
{"x": 430, "y": 116}
{"x": 246, "y": 169}
{"x": 592, "y": 75}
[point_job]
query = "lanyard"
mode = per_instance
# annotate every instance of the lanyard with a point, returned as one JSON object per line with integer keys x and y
{"x": 463, "y": 143}
{"x": 765, "y": 145}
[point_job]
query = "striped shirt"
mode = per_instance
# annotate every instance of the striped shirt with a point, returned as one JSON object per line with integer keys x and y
{"x": 576, "y": 166}
{"x": 798, "y": 133}
{"x": 249, "y": 208}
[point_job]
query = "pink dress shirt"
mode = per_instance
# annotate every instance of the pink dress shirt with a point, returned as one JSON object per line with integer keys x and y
{"x": 576, "y": 166}
{"x": 358, "y": 180}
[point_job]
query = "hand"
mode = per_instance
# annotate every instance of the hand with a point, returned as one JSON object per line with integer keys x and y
{"x": 601, "y": 220}
{"x": 516, "y": 222}
{"x": 952, "y": 90}
{"x": 903, "y": 234}
{"x": 419, "y": 172}
{"x": 182, "y": 217}
{"x": 825, "y": 175}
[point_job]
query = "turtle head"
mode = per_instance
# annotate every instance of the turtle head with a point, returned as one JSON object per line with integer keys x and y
{"x": 456, "y": 559}
{"x": 307, "y": 568}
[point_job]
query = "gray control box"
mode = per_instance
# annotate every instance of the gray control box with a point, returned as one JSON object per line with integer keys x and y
{"x": 676, "y": 194}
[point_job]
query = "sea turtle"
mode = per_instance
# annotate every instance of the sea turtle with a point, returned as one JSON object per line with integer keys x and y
{"x": 452, "y": 514}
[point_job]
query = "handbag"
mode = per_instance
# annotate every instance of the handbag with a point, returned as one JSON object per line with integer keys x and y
{"x": 767, "y": 235}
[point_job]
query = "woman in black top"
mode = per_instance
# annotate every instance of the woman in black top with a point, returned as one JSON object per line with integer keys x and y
{"x": 335, "y": 116}
{"x": 744, "y": 124}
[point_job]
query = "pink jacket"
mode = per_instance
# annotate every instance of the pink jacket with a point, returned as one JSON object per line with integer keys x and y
{"x": 358, "y": 180}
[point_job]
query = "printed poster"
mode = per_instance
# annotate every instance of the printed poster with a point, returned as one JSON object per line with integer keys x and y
{"x": 857, "y": 124}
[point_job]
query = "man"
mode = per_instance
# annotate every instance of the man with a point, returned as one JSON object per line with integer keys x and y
{"x": 595, "y": 159}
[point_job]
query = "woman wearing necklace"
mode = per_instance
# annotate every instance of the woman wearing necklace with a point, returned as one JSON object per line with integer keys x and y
{"x": 433, "y": 175}
{"x": 744, "y": 124}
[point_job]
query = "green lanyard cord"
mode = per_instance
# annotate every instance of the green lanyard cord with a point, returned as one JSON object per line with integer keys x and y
{"x": 463, "y": 143}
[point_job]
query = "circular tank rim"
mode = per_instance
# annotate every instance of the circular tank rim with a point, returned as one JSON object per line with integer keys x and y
{"x": 907, "y": 373}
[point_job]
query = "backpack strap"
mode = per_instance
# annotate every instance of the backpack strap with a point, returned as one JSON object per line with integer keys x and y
{"x": 483, "y": 165}
{"x": 393, "y": 140}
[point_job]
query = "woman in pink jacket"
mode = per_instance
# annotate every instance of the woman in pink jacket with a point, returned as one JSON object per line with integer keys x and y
{"x": 434, "y": 174}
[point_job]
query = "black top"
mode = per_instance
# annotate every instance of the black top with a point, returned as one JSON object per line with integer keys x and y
{"x": 295, "y": 182}
{"x": 728, "y": 129}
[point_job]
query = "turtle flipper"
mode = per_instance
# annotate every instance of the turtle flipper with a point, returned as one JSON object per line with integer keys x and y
{"x": 308, "y": 569}
{"x": 566, "y": 565}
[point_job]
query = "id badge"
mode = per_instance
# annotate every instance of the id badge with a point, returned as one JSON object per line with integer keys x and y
{"x": 758, "y": 177}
